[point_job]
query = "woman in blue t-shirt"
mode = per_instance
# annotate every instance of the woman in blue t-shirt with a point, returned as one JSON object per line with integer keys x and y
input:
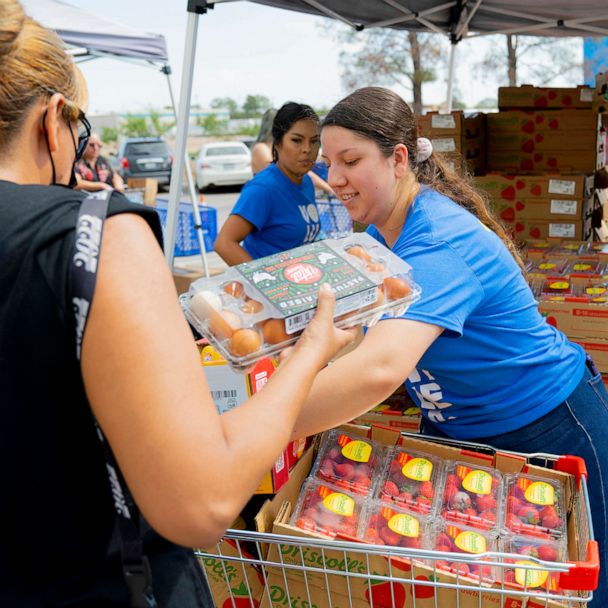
{"x": 276, "y": 209}
{"x": 474, "y": 352}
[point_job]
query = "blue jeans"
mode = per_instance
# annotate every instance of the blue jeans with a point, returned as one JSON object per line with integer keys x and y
{"x": 578, "y": 426}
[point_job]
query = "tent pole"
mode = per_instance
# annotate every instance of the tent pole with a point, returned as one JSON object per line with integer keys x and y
{"x": 451, "y": 77}
{"x": 195, "y": 208}
{"x": 181, "y": 137}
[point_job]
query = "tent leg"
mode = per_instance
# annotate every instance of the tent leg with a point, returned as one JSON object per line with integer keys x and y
{"x": 451, "y": 77}
{"x": 181, "y": 138}
{"x": 191, "y": 189}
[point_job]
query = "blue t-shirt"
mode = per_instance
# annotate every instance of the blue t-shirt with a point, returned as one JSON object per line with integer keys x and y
{"x": 284, "y": 214}
{"x": 498, "y": 365}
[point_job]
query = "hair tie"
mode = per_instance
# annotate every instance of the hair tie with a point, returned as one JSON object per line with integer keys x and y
{"x": 424, "y": 149}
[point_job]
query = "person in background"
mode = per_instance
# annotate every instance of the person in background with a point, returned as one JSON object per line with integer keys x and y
{"x": 138, "y": 375}
{"x": 261, "y": 153}
{"x": 277, "y": 210}
{"x": 474, "y": 352}
{"x": 93, "y": 171}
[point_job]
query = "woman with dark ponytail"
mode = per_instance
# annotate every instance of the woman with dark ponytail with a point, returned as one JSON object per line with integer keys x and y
{"x": 473, "y": 351}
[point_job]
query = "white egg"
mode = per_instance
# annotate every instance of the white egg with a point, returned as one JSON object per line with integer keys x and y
{"x": 204, "y": 303}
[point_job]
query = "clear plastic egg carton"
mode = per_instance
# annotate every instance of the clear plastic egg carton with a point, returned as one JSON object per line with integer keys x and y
{"x": 258, "y": 308}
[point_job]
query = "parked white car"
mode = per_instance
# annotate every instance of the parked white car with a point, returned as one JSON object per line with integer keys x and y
{"x": 223, "y": 163}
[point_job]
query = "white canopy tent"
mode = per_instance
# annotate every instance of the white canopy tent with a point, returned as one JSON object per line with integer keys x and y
{"x": 457, "y": 19}
{"x": 91, "y": 36}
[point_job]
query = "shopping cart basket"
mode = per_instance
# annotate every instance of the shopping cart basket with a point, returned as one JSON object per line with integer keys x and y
{"x": 334, "y": 219}
{"x": 272, "y": 570}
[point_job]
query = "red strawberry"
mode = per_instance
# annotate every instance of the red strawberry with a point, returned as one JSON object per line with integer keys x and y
{"x": 535, "y": 190}
{"x": 452, "y": 478}
{"x": 547, "y": 552}
{"x": 528, "y": 514}
{"x": 470, "y": 512}
{"x": 551, "y": 521}
{"x": 485, "y": 502}
{"x": 509, "y": 194}
{"x": 396, "y": 467}
{"x": 507, "y": 214}
{"x": 445, "y": 548}
{"x": 405, "y": 497}
{"x": 530, "y": 550}
{"x": 411, "y": 543}
{"x": 448, "y": 493}
{"x": 547, "y": 511}
{"x": 528, "y": 127}
{"x": 443, "y": 539}
{"x": 334, "y": 454}
{"x": 362, "y": 483}
{"x": 426, "y": 489}
{"x": 514, "y": 504}
{"x": 390, "y": 537}
{"x": 327, "y": 468}
{"x": 390, "y": 489}
{"x": 513, "y": 522}
{"x": 345, "y": 470}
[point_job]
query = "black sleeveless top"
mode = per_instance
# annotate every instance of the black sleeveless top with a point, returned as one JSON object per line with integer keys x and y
{"x": 56, "y": 511}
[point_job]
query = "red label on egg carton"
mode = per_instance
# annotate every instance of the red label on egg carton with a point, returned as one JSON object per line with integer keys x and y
{"x": 290, "y": 282}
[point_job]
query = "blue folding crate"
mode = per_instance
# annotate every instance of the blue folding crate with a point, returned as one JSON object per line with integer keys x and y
{"x": 334, "y": 219}
{"x": 186, "y": 241}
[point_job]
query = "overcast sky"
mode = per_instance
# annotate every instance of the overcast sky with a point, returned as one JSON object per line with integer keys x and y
{"x": 242, "y": 48}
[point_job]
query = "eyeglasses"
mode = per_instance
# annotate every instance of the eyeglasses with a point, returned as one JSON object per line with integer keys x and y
{"x": 84, "y": 126}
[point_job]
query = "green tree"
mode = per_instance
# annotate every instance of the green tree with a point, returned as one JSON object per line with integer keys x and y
{"x": 109, "y": 134}
{"x": 256, "y": 105}
{"x": 135, "y": 126}
{"x": 213, "y": 125}
{"x": 225, "y": 102}
{"x": 529, "y": 59}
{"x": 159, "y": 128}
{"x": 384, "y": 56}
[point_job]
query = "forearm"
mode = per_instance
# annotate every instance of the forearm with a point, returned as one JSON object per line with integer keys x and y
{"x": 257, "y": 431}
{"x": 232, "y": 253}
{"x": 84, "y": 184}
{"x": 342, "y": 391}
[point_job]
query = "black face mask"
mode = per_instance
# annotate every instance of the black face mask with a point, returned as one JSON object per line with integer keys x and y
{"x": 78, "y": 151}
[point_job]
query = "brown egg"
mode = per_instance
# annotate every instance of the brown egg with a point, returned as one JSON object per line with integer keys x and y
{"x": 274, "y": 331}
{"x": 359, "y": 252}
{"x": 251, "y": 307}
{"x": 223, "y": 324}
{"x": 234, "y": 289}
{"x": 375, "y": 267}
{"x": 396, "y": 288}
{"x": 244, "y": 342}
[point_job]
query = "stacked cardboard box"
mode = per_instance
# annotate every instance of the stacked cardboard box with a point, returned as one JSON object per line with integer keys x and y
{"x": 541, "y": 206}
{"x": 459, "y": 137}
{"x": 529, "y": 97}
{"x": 570, "y": 281}
{"x": 542, "y": 140}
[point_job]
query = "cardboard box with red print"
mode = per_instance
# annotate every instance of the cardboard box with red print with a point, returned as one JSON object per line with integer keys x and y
{"x": 547, "y": 186}
{"x": 539, "y": 121}
{"x": 529, "y": 97}
{"x": 324, "y": 584}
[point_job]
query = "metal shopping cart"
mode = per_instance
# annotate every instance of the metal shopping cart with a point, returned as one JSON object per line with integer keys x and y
{"x": 273, "y": 570}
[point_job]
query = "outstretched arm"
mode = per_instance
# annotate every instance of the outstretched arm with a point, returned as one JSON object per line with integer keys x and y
{"x": 361, "y": 379}
{"x": 190, "y": 470}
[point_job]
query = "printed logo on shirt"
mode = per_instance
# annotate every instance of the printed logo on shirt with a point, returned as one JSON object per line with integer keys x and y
{"x": 88, "y": 239}
{"x": 429, "y": 395}
{"x": 311, "y": 217}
